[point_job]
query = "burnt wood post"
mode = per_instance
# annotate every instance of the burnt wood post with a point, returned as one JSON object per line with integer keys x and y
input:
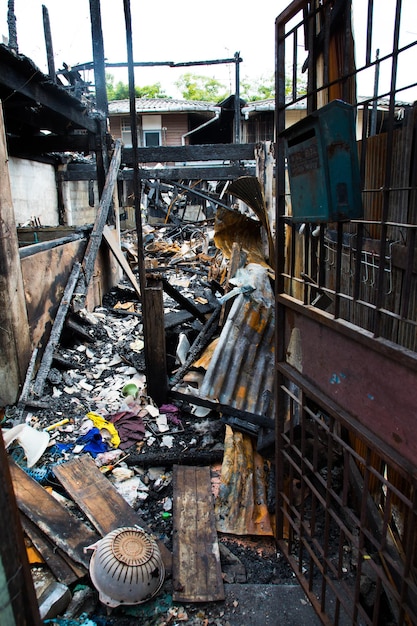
{"x": 155, "y": 348}
{"x": 48, "y": 44}
{"x": 101, "y": 93}
{"x": 94, "y": 241}
{"x": 11, "y": 22}
{"x": 15, "y": 344}
{"x": 237, "y": 98}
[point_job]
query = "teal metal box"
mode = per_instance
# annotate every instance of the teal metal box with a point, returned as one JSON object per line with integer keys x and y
{"x": 323, "y": 166}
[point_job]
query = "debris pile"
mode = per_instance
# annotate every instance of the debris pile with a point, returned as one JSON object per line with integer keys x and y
{"x": 109, "y": 455}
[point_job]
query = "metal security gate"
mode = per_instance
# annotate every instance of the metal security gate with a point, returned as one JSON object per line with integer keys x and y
{"x": 346, "y": 298}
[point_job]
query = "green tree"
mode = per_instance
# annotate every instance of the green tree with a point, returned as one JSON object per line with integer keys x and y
{"x": 120, "y": 90}
{"x": 262, "y": 88}
{"x": 194, "y": 87}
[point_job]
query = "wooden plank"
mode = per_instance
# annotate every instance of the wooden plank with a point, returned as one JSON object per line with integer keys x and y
{"x": 56, "y": 331}
{"x": 197, "y": 575}
{"x": 64, "y": 529}
{"x": 120, "y": 257}
{"x": 53, "y": 557}
{"x": 99, "y": 499}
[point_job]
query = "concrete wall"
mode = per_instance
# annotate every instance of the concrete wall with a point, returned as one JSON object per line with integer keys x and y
{"x": 76, "y": 198}
{"x": 33, "y": 191}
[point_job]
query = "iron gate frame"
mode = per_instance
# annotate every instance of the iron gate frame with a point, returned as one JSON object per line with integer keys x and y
{"x": 346, "y": 497}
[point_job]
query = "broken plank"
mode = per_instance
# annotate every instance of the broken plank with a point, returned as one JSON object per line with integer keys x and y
{"x": 120, "y": 258}
{"x": 197, "y": 575}
{"x": 56, "y": 561}
{"x": 64, "y": 529}
{"x": 99, "y": 499}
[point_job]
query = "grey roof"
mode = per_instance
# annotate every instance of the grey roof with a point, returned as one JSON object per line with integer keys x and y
{"x": 258, "y": 106}
{"x": 162, "y": 105}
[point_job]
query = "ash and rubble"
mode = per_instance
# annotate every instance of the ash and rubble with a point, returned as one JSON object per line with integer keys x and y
{"x": 86, "y": 399}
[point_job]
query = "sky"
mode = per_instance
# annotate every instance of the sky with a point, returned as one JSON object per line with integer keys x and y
{"x": 163, "y": 30}
{"x": 192, "y": 30}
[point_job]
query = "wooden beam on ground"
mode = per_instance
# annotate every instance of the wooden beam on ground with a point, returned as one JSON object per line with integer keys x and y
{"x": 63, "y": 568}
{"x": 15, "y": 347}
{"x": 197, "y": 575}
{"x": 55, "y": 335}
{"x": 64, "y": 529}
{"x": 99, "y": 499}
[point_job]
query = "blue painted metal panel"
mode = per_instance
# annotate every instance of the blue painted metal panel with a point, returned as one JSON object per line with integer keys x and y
{"x": 323, "y": 165}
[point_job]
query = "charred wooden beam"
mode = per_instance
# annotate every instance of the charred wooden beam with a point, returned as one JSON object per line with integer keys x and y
{"x": 225, "y": 409}
{"x": 208, "y": 152}
{"x": 42, "y": 94}
{"x": 29, "y": 145}
{"x": 190, "y": 172}
{"x": 182, "y": 457}
{"x": 47, "y": 245}
{"x": 48, "y": 43}
{"x": 97, "y": 232}
{"x": 186, "y": 303}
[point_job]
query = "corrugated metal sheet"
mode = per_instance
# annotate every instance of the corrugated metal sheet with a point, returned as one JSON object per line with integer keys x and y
{"x": 242, "y": 366}
{"x": 161, "y": 105}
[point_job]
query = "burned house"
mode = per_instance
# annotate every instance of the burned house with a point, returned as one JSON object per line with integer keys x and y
{"x": 245, "y": 377}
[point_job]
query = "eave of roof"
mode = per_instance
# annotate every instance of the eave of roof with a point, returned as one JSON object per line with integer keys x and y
{"x": 162, "y": 105}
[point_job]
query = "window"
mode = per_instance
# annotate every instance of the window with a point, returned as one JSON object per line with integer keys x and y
{"x": 127, "y": 135}
{"x": 152, "y": 138}
{"x": 151, "y": 126}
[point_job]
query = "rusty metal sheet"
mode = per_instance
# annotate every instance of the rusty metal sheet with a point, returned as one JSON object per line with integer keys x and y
{"x": 241, "y": 507}
{"x": 242, "y": 366}
{"x": 373, "y": 387}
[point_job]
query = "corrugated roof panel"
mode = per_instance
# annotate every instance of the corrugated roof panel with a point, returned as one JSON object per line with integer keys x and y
{"x": 242, "y": 366}
{"x": 161, "y": 105}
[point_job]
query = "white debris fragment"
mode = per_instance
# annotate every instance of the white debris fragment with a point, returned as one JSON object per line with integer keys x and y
{"x": 162, "y": 423}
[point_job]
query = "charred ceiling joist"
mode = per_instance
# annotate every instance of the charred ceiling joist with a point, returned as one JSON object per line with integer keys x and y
{"x": 32, "y": 103}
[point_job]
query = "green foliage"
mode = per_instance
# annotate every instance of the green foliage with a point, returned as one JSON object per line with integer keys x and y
{"x": 262, "y": 88}
{"x": 194, "y": 87}
{"x": 205, "y": 89}
{"x": 120, "y": 91}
